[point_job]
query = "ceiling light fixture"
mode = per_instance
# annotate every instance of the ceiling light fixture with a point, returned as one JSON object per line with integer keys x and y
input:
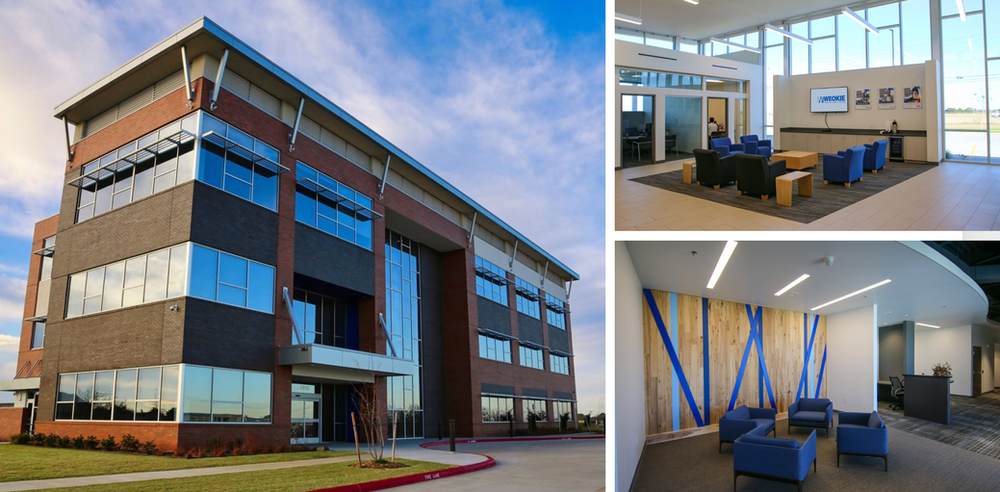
{"x": 723, "y": 260}
{"x": 734, "y": 45}
{"x": 852, "y": 294}
{"x": 793, "y": 284}
{"x": 860, "y": 20}
{"x": 925, "y": 324}
{"x": 692, "y": 2}
{"x": 628, "y": 18}
{"x": 961, "y": 9}
{"x": 787, "y": 34}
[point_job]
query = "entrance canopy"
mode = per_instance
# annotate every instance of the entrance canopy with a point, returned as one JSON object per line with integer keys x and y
{"x": 340, "y": 364}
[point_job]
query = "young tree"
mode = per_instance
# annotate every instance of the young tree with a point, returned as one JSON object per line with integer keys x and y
{"x": 367, "y": 401}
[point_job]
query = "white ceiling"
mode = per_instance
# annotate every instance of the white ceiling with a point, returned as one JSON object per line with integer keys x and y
{"x": 925, "y": 286}
{"x": 712, "y": 17}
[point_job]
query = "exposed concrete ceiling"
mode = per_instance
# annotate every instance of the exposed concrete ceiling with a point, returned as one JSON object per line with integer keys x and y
{"x": 925, "y": 286}
{"x": 712, "y": 17}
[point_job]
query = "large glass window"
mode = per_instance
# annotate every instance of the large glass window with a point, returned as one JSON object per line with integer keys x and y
{"x": 38, "y": 334}
{"x": 494, "y": 348}
{"x": 527, "y": 298}
{"x": 405, "y": 394}
{"x": 238, "y": 163}
{"x": 226, "y": 395}
{"x": 497, "y": 409}
{"x": 538, "y": 408}
{"x": 532, "y": 357}
{"x": 558, "y": 364}
{"x": 332, "y": 207}
{"x": 964, "y": 71}
{"x": 491, "y": 281}
{"x": 560, "y": 408}
{"x": 555, "y": 312}
{"x": 323, "y": 319}
{"x": 229, "y": 279}
{"x": 664, "y": 80}
{"x": 147, "y": 394}
{"x": 158, "y": 275}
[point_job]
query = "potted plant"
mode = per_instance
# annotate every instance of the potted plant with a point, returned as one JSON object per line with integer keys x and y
{"x": 942, "y": 369}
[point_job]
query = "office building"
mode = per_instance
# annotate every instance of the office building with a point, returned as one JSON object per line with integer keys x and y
{"x": 234, "y": 253}
{"x": 815, "y": 79}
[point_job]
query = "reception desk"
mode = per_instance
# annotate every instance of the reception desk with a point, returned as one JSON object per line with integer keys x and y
{"x": 928, "y": 398}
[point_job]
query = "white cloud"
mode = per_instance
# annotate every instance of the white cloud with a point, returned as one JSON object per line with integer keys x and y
{"x": 8, "y": 343}
{"x": 12, "y": 287}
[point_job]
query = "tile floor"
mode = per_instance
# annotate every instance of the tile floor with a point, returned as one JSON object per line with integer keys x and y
{"x": 951, "y": 197}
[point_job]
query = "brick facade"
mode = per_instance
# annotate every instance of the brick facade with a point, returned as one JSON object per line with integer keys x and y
{"x": 13, "y": 420}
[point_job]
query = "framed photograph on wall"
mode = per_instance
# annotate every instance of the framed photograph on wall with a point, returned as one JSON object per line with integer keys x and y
{"x": 911, "y": 97}
{"x": 887, "y": 98}
{"x": 862, "y": 99}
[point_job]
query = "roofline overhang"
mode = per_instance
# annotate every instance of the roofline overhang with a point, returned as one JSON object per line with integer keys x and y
{"x": 204, "y": 25}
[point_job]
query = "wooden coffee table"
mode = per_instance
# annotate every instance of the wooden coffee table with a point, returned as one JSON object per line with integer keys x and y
{"x": 784, "y": 186}
{"x": 796, "y": 160}
{"x": 688, "y": 165}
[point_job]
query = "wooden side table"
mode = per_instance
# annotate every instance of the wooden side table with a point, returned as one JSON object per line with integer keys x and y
{"x": 796, "y": 160}
{"x": 688, "y": 168}
{"x": 784, "y": 186}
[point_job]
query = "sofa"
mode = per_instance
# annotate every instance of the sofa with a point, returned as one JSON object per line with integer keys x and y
{"x": 712, "y": 169}
{"x": 782, "y": 460}
{"x": 752, "y": 145}
{"x": 725, "y": 146}
{"x": 811, "y": 412}
{"x": 862, "y": 434}
{"x": 845, "y": 167}
{"x": 746, "y": 420}
{"x": 755, "y": 175}
{"x": 875, "y": 155}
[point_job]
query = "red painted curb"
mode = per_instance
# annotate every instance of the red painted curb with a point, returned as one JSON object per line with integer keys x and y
{"x": 415, "y": 478}
{"x": 510, "y": 439}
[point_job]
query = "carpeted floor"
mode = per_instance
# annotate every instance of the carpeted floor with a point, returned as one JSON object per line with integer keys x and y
{"x": 826, "y": 199}
{"x": 915, "y": 464}
{"x": 975, "y": 424}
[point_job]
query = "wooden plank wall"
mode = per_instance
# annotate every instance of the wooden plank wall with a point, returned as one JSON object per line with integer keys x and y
{"x": 728, "y": 330}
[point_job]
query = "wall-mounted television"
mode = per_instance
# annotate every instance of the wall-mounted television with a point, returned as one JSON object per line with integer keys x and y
{"x": 829, "y": 100}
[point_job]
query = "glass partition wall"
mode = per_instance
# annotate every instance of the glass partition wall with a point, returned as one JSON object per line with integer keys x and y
{"x": 637, "y": 129}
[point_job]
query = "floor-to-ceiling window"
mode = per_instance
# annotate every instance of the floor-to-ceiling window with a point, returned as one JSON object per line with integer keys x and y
{"x": 402, "y": 309}
{"x": 774, "y": 64}
{"x": 963, "y": 48}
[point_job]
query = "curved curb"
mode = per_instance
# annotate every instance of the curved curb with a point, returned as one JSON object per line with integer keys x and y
{"x": 510, "y": 439}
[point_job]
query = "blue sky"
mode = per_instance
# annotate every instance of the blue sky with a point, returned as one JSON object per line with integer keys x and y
{"x": 502, "y": 99}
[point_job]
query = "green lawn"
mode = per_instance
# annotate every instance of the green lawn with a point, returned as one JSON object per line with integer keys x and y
{"x": 288, "y": 480}
{"x": 36, "y": 463}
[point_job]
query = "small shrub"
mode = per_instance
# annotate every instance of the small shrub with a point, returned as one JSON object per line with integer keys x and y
{"x": 129, "y": 443}
{"x": 109, "y": 444}
{"x": 251, "y": 446}
{"x": 22, "y": 438}
{"x": 532, "y": 422}
{"x": 77, "y": 442}
{"x": 564, "y": 421}
{"x": 148, "y": 447}
{"x": 39, "y": 439}
{"x": 51, "y": 441}
{"x": 91, "y": 442}
{"x": 198, "y": 452}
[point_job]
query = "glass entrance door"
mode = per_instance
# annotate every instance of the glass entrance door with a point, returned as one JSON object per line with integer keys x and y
{"x": 306, "y": 404}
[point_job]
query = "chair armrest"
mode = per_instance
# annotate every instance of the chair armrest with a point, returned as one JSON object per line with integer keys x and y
{"x": 723, "y": 150}
{"x": 777, "y": 168}
{"x": 731, "y": 429}
{"x": 868, "y": 146}
{"x": 793, "y": 408}
{"x": 841, "y": 153}
{"x": 829, "y": 412}
{"x": 834, "y": 160}
{"x": 736, "y": 146}
{"x": 763, "y": 413}
{"x": 807, "y": 452}
{"x": 729, "y": 160}
{"x": 863, "y": 440}
{"x": 857, "y": 418}
{"x": 763, "y": 143}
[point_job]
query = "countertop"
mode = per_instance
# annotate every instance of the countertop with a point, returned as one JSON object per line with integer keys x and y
{"x": 858, "y": 131}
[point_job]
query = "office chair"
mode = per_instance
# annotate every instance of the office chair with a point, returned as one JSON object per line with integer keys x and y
{"x": 897, "y": 392}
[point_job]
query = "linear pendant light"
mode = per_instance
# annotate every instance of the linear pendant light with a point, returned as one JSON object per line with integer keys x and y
{"x": 852, "y": 294}
{"x": 793, "y": 284}
{"x": 927, "y": 325}
{"x": 628, "y": 18}
{"x": 692, "y": 2}
{"x": 723, "y": 260}
{"x": 857, "y": 18}
{"x": 787, "y": 34}
{"x": 734, "y": 45}
{"x": 961, "y": 9}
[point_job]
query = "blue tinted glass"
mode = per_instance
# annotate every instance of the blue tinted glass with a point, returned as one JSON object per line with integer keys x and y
{"x": 303, "y": 171}
{"x": 327, "y": 225}
{"x": 305, "y": 206}
{"x": 240, "y": 138}
{"x": 233, "y": 270}
{"x": 211, "y": 164}
{"x": 237, "y": 187}
{"x": 364, "y": 238}
{"x": 210, "y": 123}
{"x": 204, "y": 272}
{"x": 232, "y": 295}
{"x": 261, "y": 293}
{"x": 327, "y": 208}
{"x": 265, "y": 188}
{"x": 266, "y": 151}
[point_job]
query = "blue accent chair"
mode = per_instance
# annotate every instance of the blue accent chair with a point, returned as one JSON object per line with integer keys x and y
{"x": 783, "y": 460}
{"x": 844, "y": 168}
{"x": 745, "y": 420}
{"x": 862, "y": 434}
{"x": 811, "y": 412}
{"x": 724, "y": 146}
{"x": 875, "y": 156}
{"x": 755, "y": 146}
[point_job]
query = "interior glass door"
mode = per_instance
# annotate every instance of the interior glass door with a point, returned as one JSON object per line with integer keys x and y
{"x": 306, "y": 404}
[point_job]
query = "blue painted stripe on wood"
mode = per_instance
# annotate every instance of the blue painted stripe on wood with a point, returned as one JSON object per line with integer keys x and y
{"x": 673, "y": 354}
{"x": 766, "y": 383}
{"x": 809, "y": 348}
{"x": 704, "y": 358}
{"x": 675, "y": 396}
{"x": 760, "y": 357}
{"x": 822, "y": 366}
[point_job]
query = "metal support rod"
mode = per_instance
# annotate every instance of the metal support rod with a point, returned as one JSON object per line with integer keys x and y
{"x": 295, "y": 129}
{"x": 472, "y": 230}
{"x": 385, "y": 175}
{"x": 451, "y": 435}
{"x": 187, "y": 76}
{"x": 291, "y": 314}
{"x": 514, "y": 254}
{"x": 69, "y": 151}
{"x": 569, "y": 289}
{"x": 218, "y": 80}
{"x": 381, "y": 321}
{"x": 546, "y": 273}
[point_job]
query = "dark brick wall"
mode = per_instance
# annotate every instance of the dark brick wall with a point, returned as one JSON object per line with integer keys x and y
{"x": 225, "y": 336}
{"x": 327, "y": 258}
{"x": 432, "y": 332}
{"x": 229, "y": 223}
{"x": 558, "y": 339}
{"x": 493, "y": 316}
{"x": 529, "y": 329}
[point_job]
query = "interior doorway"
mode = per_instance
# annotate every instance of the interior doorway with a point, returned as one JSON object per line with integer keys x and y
{"x": 306, "y": 409}
{"x": 718, "y": 109}
{"x": 977, "y": 371}
{"x": 637, "y": 118}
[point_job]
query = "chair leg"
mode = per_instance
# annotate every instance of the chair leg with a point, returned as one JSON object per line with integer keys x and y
{"x": 847, "y": 185}
{"x": 739, "y": 192}
{"x": 720, "y": 447}
{"x": 874, "y": 171}
{"x": 814, "y": 465}
{"x": 763, "y": 197}
{"x": 826, "y": 182}
{"x": 838, "y": 459}
{"x": 736, "y": 475}
{"x": 861, "y": 179}
{"x": 715, "y": 187}
{"x": 886, "y": 459}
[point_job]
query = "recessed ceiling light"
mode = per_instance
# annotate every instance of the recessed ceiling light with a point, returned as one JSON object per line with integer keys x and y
{"x": 927, "y": 325}
{"x": 793, "y": 284}
{"x": 721, "y": 265}
{"x": 905, "y": 315}
{"x": 852, "y": 294}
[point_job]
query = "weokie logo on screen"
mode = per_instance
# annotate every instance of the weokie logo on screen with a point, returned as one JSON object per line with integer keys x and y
{"x": 831, "y": 99}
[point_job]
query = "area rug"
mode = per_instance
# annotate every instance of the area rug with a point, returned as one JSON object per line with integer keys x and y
{"x": 826, "y": 199}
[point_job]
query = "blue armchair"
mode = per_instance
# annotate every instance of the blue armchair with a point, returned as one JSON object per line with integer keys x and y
{"x": 844, "y": 167}
{"x": 754, "y": 146}
{"x": 724, "y": 146}
{"x": 811, "y": 412}
{"x": 875, "y": 156}
{"x": 783, "y": 460}
{"x": 862, "y": 434}
{"x": 745, "y": 420}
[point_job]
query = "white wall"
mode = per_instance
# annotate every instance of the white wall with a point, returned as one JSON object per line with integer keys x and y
{"x": 985, "y": 337}
{"x": 630, "y": 396}
{"x": 852, "y": 365}
{"x": 951, "y": 345}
